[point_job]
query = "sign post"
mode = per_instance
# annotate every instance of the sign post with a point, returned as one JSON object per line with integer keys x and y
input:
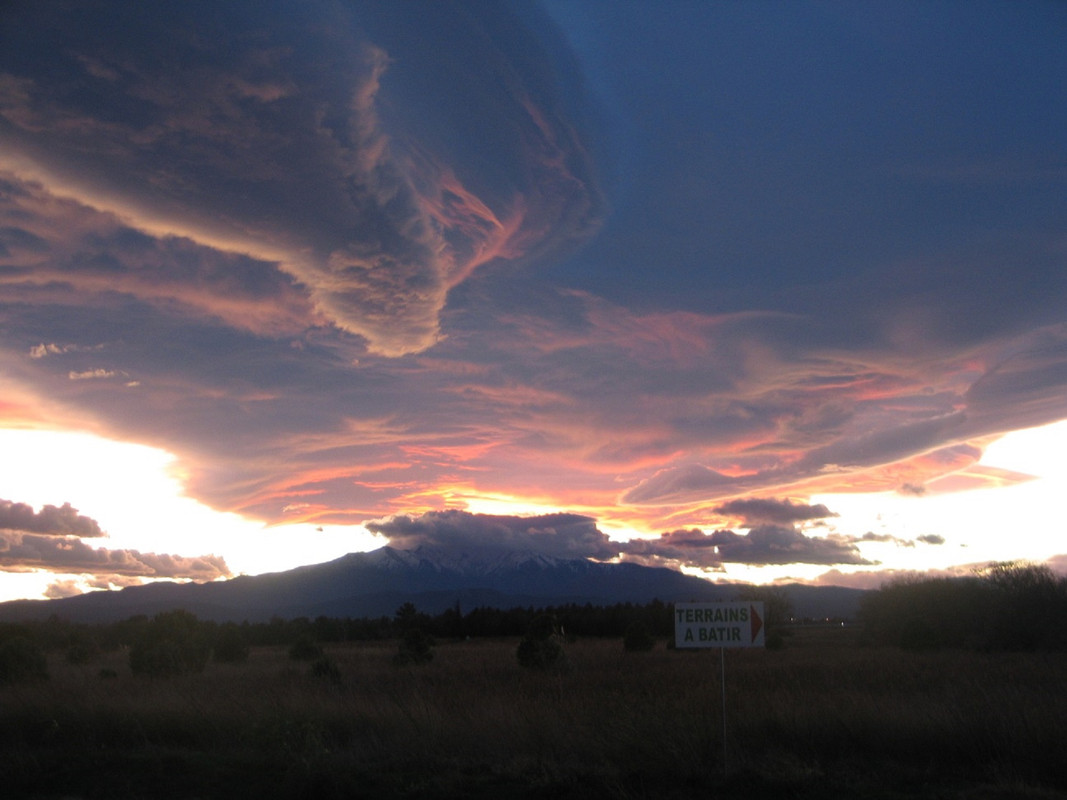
{"x": 722, "y": 625}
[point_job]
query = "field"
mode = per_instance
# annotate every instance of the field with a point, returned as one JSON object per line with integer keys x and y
{"x": 824, "y": 717}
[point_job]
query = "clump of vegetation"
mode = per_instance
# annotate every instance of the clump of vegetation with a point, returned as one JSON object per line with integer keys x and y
{"x": 305, "y": 649}
{"x": 21, "y": 659}
{"x": 173, "y": 643}
{"x": 542, "y": 646}
{"x": 325, "y": 669}
{"x": 83, "y": 652}
{"x": 638, "y": 637}
{"x": 231, "y": 645}
{"x": 416, "y": 645}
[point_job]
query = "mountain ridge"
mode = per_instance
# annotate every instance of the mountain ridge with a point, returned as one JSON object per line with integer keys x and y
{"x": 376, "y": 582}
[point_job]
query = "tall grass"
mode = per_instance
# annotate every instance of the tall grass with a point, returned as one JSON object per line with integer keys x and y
{"x": 817, "y": 718}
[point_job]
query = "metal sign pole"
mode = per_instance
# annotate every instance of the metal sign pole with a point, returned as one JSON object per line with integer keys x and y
{"x": 722, "y": 625}
{"x": 722, "y": 672}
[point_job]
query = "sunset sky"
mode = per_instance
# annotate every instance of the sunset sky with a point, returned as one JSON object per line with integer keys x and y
{"x": 758, "y": 290}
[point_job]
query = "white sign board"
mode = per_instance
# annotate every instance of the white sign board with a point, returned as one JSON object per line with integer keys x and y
{"x": 738, "y": 624}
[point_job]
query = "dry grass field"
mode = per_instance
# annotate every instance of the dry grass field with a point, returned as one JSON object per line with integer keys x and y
{"x": 824, "y": 717}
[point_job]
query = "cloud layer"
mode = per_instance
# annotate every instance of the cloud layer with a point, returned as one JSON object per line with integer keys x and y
{"x": 349, "y": 262}
{"x": 576, "y": 536}
{"x": 259, "y": 131}
{"x": 51, "y": 540}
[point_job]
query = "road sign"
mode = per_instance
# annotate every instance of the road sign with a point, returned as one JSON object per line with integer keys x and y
{"x": 738, "y": 624}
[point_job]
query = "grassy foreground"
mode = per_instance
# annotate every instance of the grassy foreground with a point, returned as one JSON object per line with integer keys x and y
{"x": 822, "y": 718}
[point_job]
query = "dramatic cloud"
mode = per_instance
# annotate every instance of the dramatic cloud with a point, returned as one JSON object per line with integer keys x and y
{"x": 352, "y": 261}
{"x": 276, "y": 131}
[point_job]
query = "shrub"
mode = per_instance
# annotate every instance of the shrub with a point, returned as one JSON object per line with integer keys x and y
{"x": 416, "y": 647}
{"x": 21, "y": 660}
{"x": 326, "y": 670}
{"x": 305, "y": 649}
{"x": 542, "y": 646}
{"x": 638, "y": 638}
{"x": 231, "y": 646}
{"x": 81, "y": 653}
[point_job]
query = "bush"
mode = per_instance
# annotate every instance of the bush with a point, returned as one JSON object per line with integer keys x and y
{"x": 81, "y": 653}
{"x": 173, "y": 643}
{"x": 542, "y": 646}
{"x": 638, "y": 638}
{"x": 416, "y": 647}
{"x": 231, "y": 646}
{"x": 21, "y": 660}
{"x": 305, "y": 649}
{"x": 326, "y": 670}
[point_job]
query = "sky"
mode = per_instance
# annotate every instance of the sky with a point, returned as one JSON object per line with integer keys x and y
{"x": 760, "y": 291}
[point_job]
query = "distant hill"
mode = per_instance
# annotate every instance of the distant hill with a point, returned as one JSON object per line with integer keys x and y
{"x": 376, "y": 583}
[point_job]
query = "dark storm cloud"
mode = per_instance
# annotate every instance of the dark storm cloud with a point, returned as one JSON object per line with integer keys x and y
{"x": 557, "y": 535}
{"x": 28, "y": 551}
{"x": 51, "y": 539}
{"x": 689, "y": 547}
{"x": 762, "y": 545}
{"x": 767, "y": 510}
{"x": 575, "y": 536}
{"x": 777, "y": 544}
{"x": 50, "y": 520}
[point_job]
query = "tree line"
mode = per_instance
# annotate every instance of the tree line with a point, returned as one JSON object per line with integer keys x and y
{"x": 1010, "y": 606}
{"x": 1005, "y": 606}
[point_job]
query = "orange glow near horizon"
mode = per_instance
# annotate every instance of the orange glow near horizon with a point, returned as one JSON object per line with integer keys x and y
{"x": 134, "y": 493}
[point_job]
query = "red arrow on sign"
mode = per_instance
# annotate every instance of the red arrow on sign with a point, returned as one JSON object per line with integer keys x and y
{"x": 757, "y": 623}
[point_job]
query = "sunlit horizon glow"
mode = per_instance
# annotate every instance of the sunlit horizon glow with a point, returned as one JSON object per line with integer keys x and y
{"x": 282, "y": 282}
{"x": 99, "y": 477}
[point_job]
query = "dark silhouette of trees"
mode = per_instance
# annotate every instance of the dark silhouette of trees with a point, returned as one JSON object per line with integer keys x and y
{"x": 1005, "y": 606}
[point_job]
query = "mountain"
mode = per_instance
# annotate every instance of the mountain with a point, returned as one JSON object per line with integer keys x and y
{"x": 376, "y": 583}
